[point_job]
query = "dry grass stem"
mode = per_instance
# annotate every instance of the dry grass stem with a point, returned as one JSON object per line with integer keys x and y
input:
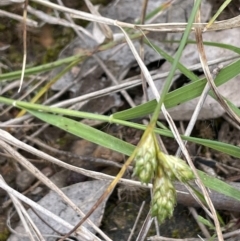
{"x": 164, "y": 27}
{"x": 145, "y": 228}
{"x": 57, "y": 21}
{"x": 72, "y": 155}
{"x": 29, "y": 22}
{"x": 206, "y": 70}
{"x": 200, "y": 225}
{"x": 136, "y": 221}
{"x": 104, "y": 28}
{"x": 8, "y": 138}
{"x": 28, "y": 92}
{"x": 24, "y": 44}
{"x": 83, "y": 232}
{"x": 115, "y": 81}
{"x": 208, "y": 75}
{"x": 31, "y": 188}
{"x": 29, "y": 226}
{"x": 195, "y": 114}
{"x": 141, "y": 50}
{"x": 161, "y": 238}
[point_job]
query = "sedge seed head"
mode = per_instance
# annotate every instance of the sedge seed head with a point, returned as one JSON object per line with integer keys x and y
{"x": 175, "y": 168}
{"x": 164, "y": 198}
{"x": 145, "y": 160}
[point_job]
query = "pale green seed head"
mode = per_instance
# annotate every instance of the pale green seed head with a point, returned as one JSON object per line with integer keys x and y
{"x": 145, "y": 160}
{"x": 175, "y": 168}
{"x": 164, "y": 197}
{"x": 144, "y": 176}
{"x": 148, "y": 155}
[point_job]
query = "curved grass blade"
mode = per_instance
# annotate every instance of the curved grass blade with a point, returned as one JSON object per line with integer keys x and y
{"x": 101, "y": 138}
{"x": 39, "y": 69}
{"x": 181, "y": 95}
{"x": 216, "y": 184}
{"x": 222, "y": 7}
{"x": 84, "y": 131}
{"x": 189, "y": 74}
{"x": 216, "y": 145}
{"x": 219, "y": 45}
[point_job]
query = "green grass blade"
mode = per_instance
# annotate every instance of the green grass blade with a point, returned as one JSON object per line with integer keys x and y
{"x": 103, "y": 139}
{"x": 213, "y": 44}
{"x": 175, "y": 62}
{"x": 46, "y": 67}
{"x": 216, "y": 145}
{"x": 219, "y": 45}
{"x": 216, "y": 184}
{"x": 181, "y": 95}
{"x": 222, "y": 7}
{"x": 56, "y": 110}
{"x": 219, "y": 146}
{"x": 189, "y": 74}
{"x": 39, "y": 69}
{"x": 84, "y": 131}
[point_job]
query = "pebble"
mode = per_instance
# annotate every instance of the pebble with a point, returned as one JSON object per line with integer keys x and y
{"x": 24, "y": 180}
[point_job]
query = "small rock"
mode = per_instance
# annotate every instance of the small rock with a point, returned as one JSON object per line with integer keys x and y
{"x": 37, "y": 190}
{"x": 24, "y": 180}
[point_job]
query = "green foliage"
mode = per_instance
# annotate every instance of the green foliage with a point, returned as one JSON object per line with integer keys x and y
{"x": 101, "y": 138}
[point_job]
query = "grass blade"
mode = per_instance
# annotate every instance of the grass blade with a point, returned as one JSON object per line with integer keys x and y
{"x": 216, "y": 145}
{"x": 116, "y": 144}
{"x": 180, "y": 95}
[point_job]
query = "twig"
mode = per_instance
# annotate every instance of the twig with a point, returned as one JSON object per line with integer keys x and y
{"x": 46, "y": 181}
{"x": 145, "y": 228}
{"x": 24, "y": 43}
{"x": 83, "y": 232}
{"x": 200, "y": 225}
{"x": 136, "y": 221}
{"x": 29, "y": 22}
{"x": 8, "y": 202}
{"x": 25, "y": 218}
{"x": 164, "y": 27}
